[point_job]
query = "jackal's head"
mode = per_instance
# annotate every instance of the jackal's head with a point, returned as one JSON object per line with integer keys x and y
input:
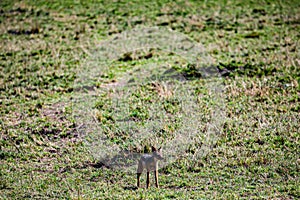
{"x": 157, "y": 153}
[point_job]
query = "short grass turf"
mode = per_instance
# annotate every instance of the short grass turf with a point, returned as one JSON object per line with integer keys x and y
{"x": 44, "y": 44}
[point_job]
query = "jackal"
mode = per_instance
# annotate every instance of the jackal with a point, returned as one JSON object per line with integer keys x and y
{"x": 150, "y": 162}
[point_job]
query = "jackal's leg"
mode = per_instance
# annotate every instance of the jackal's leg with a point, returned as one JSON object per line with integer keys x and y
{"x": 156, "y": 178}
{"x": 156, "y": 175}
{"x": 139, "y": 172}
{"x": 138, "y": 179}
{"x": 148, "y": 180}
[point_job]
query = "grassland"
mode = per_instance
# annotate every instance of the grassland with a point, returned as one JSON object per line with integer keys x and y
{"x": 45, "y": 45}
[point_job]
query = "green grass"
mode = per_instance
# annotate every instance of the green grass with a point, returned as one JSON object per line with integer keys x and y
{"x": 43, "y": 146}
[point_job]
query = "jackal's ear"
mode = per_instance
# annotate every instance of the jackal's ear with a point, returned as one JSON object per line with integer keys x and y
{"x": 159, "y": 149}
{"x": 153, "y": 148}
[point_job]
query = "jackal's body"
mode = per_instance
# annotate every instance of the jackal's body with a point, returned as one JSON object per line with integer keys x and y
{"x": 147, "y": 162}
{"x": 150, "y": 163}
